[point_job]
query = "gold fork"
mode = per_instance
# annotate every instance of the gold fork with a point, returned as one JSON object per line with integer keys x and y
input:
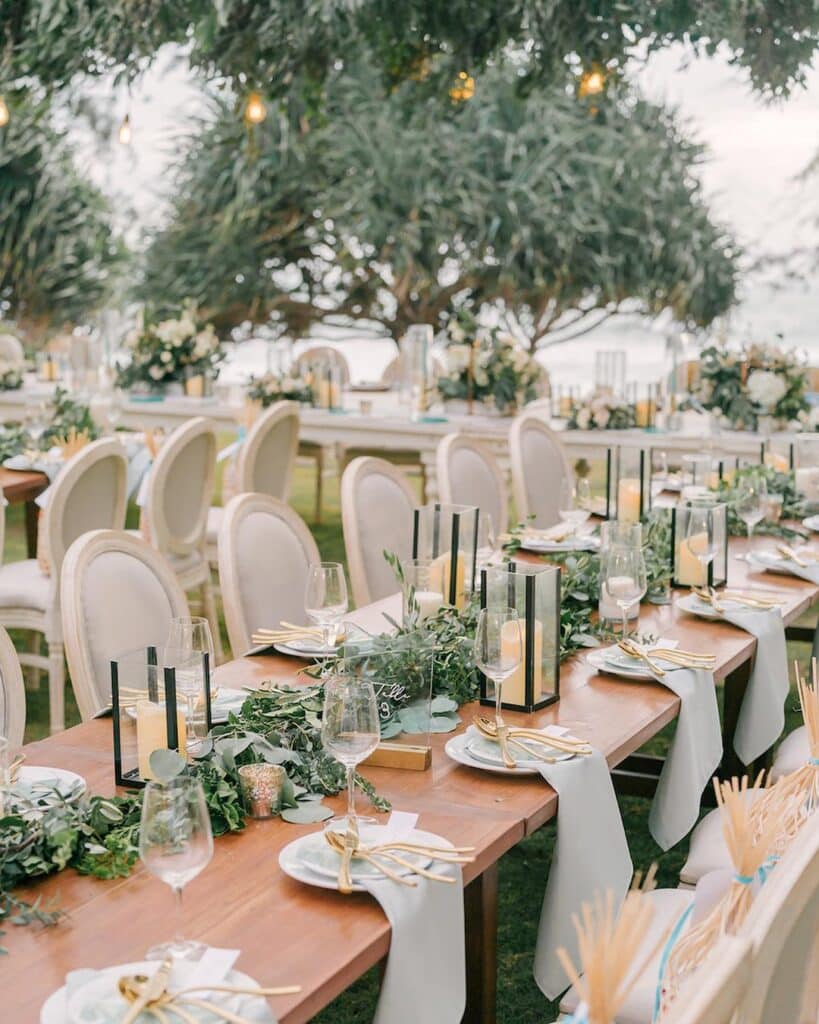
{"x": 635, "y": 652}
{"x": 566, "y": 744}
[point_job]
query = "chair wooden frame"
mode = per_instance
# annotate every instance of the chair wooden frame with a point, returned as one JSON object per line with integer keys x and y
{"x": 14, "y": 691}
{"x": 351, "y": 479}
{"x": 82, "y": 553}
{"x": 48, "y": 621}
{"x": 230, "y": 579}
{"x": 530, "y": 421}
{"x": 248, "y": 456}
{"x": 159, "y": 530}
{"x": 718, "y": 988}
{"x": 455, "y": 442}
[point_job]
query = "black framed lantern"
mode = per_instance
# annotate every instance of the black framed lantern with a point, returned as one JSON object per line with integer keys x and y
{"x": 687, "y": 570}
{"x": 147, "y": 715}
{"x": 534, "y": 591}
{"x": 628, "y": 483}
{"x": 447, "y": 535}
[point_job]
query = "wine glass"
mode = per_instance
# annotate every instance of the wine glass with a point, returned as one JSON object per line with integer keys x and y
{"x": 36, "y": 417}
{"x": 583, "y": 495}
{"x": 175, "y": 845}
{"x": 624, "y": 579}
{"x": 751, "y": 501}
{"x": 325, "y": 598}
{"x": 498, "y": 647}
{"x": 350, "y": 731}
{"x": 570, "y": 506}
{"x": 188, "y": 640}
{"x": 700, "y": 538}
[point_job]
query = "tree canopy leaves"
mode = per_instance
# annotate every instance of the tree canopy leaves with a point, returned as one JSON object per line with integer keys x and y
{"x": 57, "y": 248}
{"x": 392, "y": 209}
{"x": 284, "y": 44}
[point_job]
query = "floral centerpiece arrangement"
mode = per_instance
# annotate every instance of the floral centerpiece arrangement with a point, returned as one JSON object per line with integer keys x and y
{"x": 757, "y": 381}
{"x": 11, "y": 375}
{"x": 170, "y": 351}
{"x": 601, "y": 411}
{"x": 273, "y": 387}
{"x": 486, "y": 366}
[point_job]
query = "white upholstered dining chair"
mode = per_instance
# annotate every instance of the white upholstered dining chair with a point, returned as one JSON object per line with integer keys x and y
{"x": 265, "y": 550}
{"x": 118, "y": 594}
{"x": 88, "y": 493}
{"x": 11, "y": 349}
{"x": 264, "y": 463}
{"x": 12, "y": 693}
{"x": 469, "y": 474}
{"x": 716, "y": 991}
{"x": 180, "y": 489}
{"x": 376, "y": 515}
{"x": 783, "y": 927}
{"x": 322, "y": 353}
{"x": 539, "y": 466}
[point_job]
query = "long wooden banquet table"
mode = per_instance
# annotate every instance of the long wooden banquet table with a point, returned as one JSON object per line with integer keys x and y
{"x": 293, "y": 934}
{"x": 22, "y": 486}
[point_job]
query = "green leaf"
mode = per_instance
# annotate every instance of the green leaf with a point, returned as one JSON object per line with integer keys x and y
{"x": 306, "y": 813}
{"x": 166, "y": 765}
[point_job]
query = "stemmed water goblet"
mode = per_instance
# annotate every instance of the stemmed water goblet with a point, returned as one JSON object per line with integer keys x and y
{"x": 350, "y": 732}
{"x": 325, "y": 598}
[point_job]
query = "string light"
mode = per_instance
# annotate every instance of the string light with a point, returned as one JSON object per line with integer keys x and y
{"x": 124, "y": 134}
{"x": 255, "y": 109}
{"x": 592, "y": 82}
{"x": 4, "y": 113}
{"x": 464, "y": 88}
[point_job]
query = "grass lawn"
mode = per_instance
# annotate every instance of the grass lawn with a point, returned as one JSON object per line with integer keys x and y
{"x": 523, "y": 872}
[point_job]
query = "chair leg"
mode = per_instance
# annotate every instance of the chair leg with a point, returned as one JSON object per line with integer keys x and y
{"x": 209, "y": 608}
{"x": 34, "y": 673}
{"x": 56, "y": 686}
{"x": 319, "y": 485}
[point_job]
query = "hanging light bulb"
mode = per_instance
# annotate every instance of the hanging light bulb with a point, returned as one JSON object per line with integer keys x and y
{"x": 592, "y": 82}
{"x": 124, "y": 133}
{"x": 4, "y": 113}
{"x": 255, "y": 109}
{"x": 463, "y": 89}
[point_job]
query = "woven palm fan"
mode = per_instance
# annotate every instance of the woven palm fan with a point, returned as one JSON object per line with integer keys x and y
{"x": 753, "y": 834}
{"x": 608, "y": 944}
{"x": 804, "y": 782}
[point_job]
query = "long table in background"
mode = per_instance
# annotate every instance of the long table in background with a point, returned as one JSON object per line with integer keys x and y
{"x": 388, "y": 427}
{"x": 22, "y": 486}
{"x": 294, "y": 934}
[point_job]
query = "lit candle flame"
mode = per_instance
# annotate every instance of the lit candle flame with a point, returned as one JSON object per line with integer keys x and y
{"x": 124, "y": 133}
{"x": 255, "y": 109}
{"x": 592, "y": 82}
{"x": 4, "y": 113}
{"x": 464, "y": 88}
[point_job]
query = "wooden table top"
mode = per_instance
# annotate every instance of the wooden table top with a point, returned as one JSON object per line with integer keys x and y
{"x": 293, "y": 934}
{"x": 21, "y": 484}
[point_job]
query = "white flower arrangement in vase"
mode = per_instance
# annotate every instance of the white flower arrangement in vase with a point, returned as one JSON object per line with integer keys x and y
{"x": 171, "y": 350}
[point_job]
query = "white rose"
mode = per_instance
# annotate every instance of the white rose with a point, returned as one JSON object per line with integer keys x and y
{"x": 187, "y": 327}
{"x": 132, "y": 338}
{"x": 165, "y": 357}
{"x": 166, "y": 330}
{"x": 457, "y": 357}
{"x": 584, "y": 419}
{"x": 766, "y": 388}
{"x": 481, "y": 378}
{"x": 602, "y": 418}
{"x": 455, "y": 331}
{"x": 156, "y": 372}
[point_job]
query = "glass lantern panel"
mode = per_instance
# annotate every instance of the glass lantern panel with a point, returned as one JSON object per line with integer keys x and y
{"x": 447, "y": 536}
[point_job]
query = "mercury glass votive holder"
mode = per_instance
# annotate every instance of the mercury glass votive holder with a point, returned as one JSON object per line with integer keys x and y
{"x": 261, "y": 786}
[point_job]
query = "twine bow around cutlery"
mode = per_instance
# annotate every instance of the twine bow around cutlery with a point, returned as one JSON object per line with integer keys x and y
{"x": 803, "y": 558}
{"x": 151, "y": 996}
{"x": 523, "y": 739}
{"x": 348, "y": 846}
{"x": 14, "y": 768}
{"x": 72, "y": 442}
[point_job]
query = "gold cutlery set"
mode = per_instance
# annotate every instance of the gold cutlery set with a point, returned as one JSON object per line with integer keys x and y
{"x": 804, "y": 558}
{"x": 711, "y": 596}
{"x": 524, "y": 740}
{"x": 288, "y": 633}
{"x": 383, "y": 856}
{"x": 677, "y": 657}
{"x": 150, "y": 995}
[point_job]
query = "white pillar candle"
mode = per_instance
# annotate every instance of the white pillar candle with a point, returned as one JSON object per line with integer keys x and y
{"x": 441, "y": 573}
{"x": 690, "y": 570}
{"x": 514, "y": 686}
{"x": 628, "y": 500}
{"x": 428, "y": 601}
{"x": 152, "y": 733}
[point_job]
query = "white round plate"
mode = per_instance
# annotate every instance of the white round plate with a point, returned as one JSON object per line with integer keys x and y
{"x": 762, "y": 560}
{"x": 456, "y": 748}
{"x": 555, "y": 547}
{"x": 691, "y": 603}
{"x": 600, "y": 661}
{"x": 481, "y": 748}
{"x": 69, "y": 785}
{"x": 58, "y": 1009}
{"x": 812, "y": 523}
{"x": 317, "y": 856}
{"x": 306, "y": 649}
{"x": 292, "y": 863}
